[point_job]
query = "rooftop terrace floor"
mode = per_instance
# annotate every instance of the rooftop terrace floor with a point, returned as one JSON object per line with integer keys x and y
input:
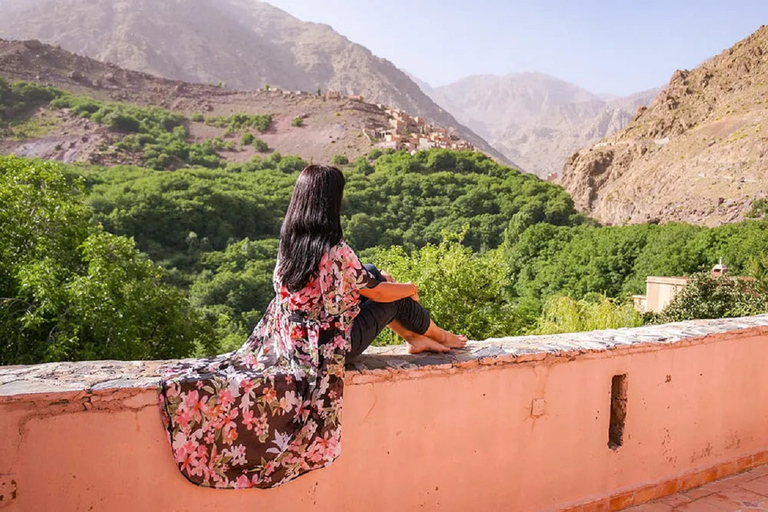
{"x": 745, "y": 491}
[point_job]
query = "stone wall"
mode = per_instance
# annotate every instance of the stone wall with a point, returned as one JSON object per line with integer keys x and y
{"x": 606, "y": 418}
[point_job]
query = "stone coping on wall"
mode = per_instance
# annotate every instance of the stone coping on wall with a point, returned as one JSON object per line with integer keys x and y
{"x": 28, "y": 383}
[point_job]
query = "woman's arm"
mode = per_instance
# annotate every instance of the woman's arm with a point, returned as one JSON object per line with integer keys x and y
{"x": 390, "y": 292}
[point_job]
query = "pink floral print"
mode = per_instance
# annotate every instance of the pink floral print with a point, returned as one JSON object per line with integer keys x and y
{"x": 270, "y": 411}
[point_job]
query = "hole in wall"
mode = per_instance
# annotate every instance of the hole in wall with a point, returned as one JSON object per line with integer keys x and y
{"x": 618, "y": 411}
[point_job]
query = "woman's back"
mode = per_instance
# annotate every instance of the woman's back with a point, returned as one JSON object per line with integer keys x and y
{"x": 270, "y": 411}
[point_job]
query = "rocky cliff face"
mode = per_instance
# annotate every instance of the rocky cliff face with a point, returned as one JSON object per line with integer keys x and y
{"x": 534, "y": 119}
{"x": 698, "y": 154}
{"x": 243, "y": 44}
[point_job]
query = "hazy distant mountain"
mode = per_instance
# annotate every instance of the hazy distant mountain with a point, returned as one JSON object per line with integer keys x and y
{"x": 535, "y": 119}
{"x": 544, "y": 142}
{"x": 698, "y": 154}
{"x": 241, "y": 43}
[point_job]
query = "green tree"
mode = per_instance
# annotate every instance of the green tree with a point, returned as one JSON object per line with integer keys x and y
{"x": 708, "y": 296}
{"x": 339, "y": 160}
{"x": 564, "y": 314}
{"x": 463, "y": 291}
{"x": 70, "y": 291}
{"x": 260, "y": 146}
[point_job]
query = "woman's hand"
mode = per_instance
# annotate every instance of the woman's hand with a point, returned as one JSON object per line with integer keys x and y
{"x": 389, "y": 279}
{"x": 415, "y": 294}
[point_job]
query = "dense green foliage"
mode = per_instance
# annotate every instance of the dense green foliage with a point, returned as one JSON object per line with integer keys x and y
{"x": 546, "y": 260}
{"x": 73, "y": 284}
{"x": 463, "y": 290}
{"x": 234, "y": 288}
{"x": 410, "y": 200}
{"x": 406, "y": 200}
{"x": 69, "y": 290}
{"x": 177, "y": 216}
{"x": 564, "y": 314}
{"x": 194, "y": 222}
{"x": 708, "y": 296}
{"x": 17, "y": 98}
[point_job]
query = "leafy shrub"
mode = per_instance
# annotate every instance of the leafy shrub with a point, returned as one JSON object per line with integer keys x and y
{"x": 237, "y": 123}
{"x": 340, "y": 160}
{"x": 546, "y": 260}
{"x": 363, "y": 166}
{"x": 708, "y": 296}
{"x": 759, "y": 210}
{"x": 563, "y": 314}
{"x": 247, "y": 139}
{"x": 198, "y": 118}
{"x": 17, "y": 99}
{"x": 260, "y": 146}
{"x": 463, "y": 291}
{"x": 122, "y": 122}
{"x": 297, "y": 121}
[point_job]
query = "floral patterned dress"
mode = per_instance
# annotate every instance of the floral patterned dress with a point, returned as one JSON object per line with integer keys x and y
{"x": 270, "y": 411}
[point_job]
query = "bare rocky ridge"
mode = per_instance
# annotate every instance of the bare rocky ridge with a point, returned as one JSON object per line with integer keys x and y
{"x": 534, "y": 119}
{"x": 244, "y": 44}
{"x": 699, "y": 154}
{"x": 330, "y": 126}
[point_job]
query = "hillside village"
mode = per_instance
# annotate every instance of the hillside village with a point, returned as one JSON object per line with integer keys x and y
{"x": 414, "y": 134}
{"x": 406, "y": 132}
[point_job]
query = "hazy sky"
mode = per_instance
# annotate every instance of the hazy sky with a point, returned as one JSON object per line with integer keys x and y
{"x": 605, "y": 46}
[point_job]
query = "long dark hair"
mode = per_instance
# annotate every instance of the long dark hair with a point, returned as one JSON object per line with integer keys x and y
{"x": 312, "y": 224}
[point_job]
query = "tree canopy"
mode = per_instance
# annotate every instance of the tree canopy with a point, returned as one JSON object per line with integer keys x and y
{"x": 71, "y": 291}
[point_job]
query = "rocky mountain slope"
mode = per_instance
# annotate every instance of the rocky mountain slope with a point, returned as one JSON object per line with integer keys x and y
{"x": 244, "y": 44}
{"x": 699, "y": 154}
{"x": 534, "y": 119}
{"x": 329, "y": 126}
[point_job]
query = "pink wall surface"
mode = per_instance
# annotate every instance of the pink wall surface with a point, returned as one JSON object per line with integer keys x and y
{"x": 434, "y": 438}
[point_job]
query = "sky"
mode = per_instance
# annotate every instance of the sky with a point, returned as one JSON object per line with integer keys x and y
{"x": 606, "y": 46}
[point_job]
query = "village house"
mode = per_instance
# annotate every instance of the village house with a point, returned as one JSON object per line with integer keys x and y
{"x": 412, "y": 133}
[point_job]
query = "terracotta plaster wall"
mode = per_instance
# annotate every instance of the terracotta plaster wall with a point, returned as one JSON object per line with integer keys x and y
{"x": 424, "y": 439}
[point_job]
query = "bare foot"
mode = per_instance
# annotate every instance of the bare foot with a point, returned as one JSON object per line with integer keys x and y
{"x": 451, "y": 340}
{"x": 418, "y": 344}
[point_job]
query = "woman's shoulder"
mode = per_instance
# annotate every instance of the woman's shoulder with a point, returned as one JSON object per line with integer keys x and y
{"x": 339, "y": 251}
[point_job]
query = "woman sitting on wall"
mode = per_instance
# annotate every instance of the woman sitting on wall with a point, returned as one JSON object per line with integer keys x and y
{"x": 270, "y": 411}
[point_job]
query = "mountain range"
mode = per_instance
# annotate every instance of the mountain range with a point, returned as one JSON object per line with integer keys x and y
{"x": 535, "y": 119}
{"x": 242, "y": 44}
